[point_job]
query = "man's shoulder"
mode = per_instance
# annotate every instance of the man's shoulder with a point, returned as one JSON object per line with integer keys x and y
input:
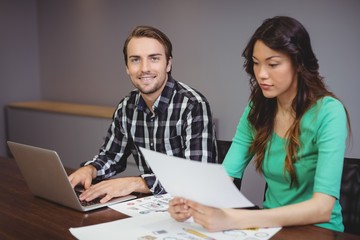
{"x": 189, "y": 92}
{"x": 130, "y": 99}
{"x": 132, "y": 95}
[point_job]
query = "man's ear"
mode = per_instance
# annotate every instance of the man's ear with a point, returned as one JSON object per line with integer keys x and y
{"x": 169, "y": 65}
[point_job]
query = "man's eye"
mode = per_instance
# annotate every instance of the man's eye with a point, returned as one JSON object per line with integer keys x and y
{"x": 154, "y": 59}
{"x": 135, "y": 60}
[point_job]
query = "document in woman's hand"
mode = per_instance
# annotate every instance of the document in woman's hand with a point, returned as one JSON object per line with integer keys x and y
{"x": 206, "y": 183}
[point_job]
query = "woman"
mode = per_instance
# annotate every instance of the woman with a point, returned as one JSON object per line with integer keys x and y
{"x": 294, "y": 128}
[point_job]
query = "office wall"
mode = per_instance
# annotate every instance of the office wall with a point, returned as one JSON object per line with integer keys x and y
{"x": 19, "y": 72}
{"x": 80, "y": 50}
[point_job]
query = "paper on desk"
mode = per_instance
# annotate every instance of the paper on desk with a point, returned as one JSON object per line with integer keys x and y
{"x": 146, "y": 205}
{"x": 162, "y": 226}
{"x": 205, "y": 183}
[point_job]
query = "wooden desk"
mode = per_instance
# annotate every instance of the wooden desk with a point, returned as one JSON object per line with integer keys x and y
{"x": 23, "y": 216}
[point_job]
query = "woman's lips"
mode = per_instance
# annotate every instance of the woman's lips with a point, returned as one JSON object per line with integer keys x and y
{"x": 265, "y": 86}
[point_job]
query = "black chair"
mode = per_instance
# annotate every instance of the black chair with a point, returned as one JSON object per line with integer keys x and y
{"x": 223, "y": 147}
{"x": 350, "y": 195}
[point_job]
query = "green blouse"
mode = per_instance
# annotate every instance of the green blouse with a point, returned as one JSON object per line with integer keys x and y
{"x": 323, "y": 133}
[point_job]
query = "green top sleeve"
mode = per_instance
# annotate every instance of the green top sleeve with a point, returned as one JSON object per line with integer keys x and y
{"x": 238, "y": 156}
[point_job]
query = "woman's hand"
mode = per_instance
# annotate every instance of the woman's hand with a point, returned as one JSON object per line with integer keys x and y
{"x": 178, "y": 209}
{"x": 213, "y": 219}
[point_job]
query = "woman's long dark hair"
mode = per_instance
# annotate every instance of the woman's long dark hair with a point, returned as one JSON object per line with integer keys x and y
{"x": 288, "y": 36}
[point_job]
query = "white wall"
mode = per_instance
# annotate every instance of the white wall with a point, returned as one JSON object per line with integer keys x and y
{"x": 19, "y": 73}
{"x": 80, "y": 50}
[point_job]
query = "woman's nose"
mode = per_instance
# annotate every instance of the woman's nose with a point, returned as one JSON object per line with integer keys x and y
{"x": 263, "y": 73}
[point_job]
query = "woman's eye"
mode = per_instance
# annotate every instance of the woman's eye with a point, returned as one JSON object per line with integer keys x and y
{"x": 273, "y": 65}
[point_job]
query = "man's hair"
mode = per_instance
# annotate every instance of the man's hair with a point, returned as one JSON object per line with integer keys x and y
{"x": 149, "y": 32}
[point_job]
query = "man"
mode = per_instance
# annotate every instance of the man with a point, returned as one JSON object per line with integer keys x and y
{"x": 161, "y": 114}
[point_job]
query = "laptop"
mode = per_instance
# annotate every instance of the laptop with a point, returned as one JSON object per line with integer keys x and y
{"x": 46, "y": 177}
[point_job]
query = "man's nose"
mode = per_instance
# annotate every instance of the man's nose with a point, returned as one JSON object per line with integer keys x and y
{"x": 145, "y": 66}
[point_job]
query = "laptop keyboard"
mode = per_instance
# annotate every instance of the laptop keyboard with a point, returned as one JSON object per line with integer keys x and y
{"x": 87, "y": 203}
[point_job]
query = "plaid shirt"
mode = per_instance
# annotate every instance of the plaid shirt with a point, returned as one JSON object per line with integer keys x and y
{"x": 181, "y": 126}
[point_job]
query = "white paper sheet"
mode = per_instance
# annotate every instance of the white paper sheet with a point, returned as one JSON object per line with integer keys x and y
{"x": 162, "y": 226}
{"x": 205, "y": 183}
{"x": 146, "y": 205}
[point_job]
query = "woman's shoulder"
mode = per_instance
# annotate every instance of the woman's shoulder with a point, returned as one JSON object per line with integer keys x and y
{"x": 329, "y": 100}
{"x": 326, "y": 107}
{"x": 330, "y": 104}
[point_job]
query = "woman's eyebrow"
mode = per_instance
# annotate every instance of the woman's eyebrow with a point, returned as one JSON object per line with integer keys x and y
{"x": 268, "y": 58}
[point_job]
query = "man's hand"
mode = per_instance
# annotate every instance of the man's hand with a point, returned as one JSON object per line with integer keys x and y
{"x": 83, "y": 176}
{"x": 116, "y": 187}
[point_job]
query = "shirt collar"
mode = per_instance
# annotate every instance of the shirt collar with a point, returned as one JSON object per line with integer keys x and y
{"x": 162, "y": 102}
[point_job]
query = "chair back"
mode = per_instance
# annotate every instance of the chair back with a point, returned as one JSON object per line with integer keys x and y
{"x": 223, "y": 147}
{"x": 350, "y": 195}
